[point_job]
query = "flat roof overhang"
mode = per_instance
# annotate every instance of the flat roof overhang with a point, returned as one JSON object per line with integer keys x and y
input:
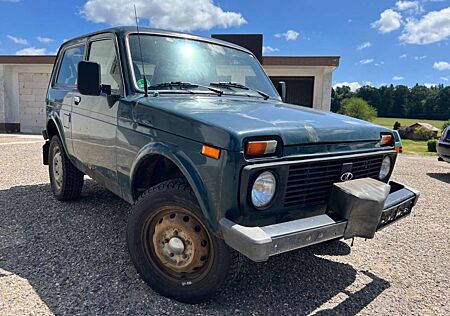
{"x": 323, "y": 61}
{"x": 31, "y": 59}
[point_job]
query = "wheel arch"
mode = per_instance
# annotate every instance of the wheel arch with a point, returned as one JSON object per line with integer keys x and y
{"x": 148, "y": 158}
{"x": 54, "y": 127}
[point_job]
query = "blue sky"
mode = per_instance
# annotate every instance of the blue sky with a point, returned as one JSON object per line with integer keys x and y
{"x": 380, "y": 42}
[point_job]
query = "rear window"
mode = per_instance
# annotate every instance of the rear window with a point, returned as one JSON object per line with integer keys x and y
{"x": 67, "y": 75}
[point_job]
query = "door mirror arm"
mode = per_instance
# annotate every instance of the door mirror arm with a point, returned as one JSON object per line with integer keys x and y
{"x": 282, "y": 90}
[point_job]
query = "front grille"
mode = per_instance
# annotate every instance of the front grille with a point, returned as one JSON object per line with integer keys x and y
{"x": 310, "y": 184}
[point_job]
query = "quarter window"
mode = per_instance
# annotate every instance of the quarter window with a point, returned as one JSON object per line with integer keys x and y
{"x": 67, "y": 75}
{"x": 104, "y": 53}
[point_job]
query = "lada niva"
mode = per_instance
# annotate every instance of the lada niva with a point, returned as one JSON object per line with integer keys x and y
{"x": 192, "y": 133}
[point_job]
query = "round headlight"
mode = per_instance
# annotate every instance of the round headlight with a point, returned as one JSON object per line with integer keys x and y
{"x": 385, "y": 168}
{"x": 263, "y": 189}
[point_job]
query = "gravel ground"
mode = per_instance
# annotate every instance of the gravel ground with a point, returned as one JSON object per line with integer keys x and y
{"x": 71, "y": 258}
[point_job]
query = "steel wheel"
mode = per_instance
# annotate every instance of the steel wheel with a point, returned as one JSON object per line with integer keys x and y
{"x": 65, "y": 179}
{"x": 178, "y": 243}
{"x": 57, "y": 168}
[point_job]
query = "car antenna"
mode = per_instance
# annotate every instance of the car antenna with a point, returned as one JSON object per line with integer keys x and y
{"x": 140, "y": 52}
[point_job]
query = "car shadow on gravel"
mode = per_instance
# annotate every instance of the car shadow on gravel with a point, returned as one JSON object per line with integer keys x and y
{"x": 444, "y": 177}
{"x": 74, "y": 256}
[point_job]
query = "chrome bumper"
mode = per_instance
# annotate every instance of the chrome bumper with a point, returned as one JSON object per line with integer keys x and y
{"x": 259, "y": 243}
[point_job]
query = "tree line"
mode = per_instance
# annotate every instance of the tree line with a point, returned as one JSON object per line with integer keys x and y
{"x": 400, "y": 101}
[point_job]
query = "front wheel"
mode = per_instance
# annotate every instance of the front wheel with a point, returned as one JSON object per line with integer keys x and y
{"x": 173, "y": 250}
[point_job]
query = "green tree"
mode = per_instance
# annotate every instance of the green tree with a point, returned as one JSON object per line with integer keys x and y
{"x": 358, "y": 108}
{"x": 387, "y": 102}
{"x": 371, "y": 95}
{"x": 339, "y": 94}
{"x": 401, "y": 96}
{"x": 419, "y": 101}
{"x": 417, "y": 97}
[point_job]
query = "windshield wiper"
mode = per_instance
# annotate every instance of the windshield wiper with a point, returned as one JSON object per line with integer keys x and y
{"x": 239, "y": 86}
{"x": 184, "y": 84}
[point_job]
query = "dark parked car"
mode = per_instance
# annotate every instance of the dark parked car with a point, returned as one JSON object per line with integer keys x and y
{"x": 443, "y": 145}
{"x": 192, "y": 133}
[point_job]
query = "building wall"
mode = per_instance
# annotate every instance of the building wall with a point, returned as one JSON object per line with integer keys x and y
{"x": 22, "y": 96}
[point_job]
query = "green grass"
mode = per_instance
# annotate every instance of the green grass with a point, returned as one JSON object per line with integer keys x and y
{"x": 410, "y": 146}
{"x": 417, "y": 147}
{"x": 389, "y": 122}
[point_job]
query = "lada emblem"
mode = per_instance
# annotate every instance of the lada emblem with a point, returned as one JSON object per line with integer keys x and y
{"x": 346, "y": 176}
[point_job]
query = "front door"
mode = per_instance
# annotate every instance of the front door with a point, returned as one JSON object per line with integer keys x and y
{"x": 60, "y": 93}
{"x": 94, "y": 118}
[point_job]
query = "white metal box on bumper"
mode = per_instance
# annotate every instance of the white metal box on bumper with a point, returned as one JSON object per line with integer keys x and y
{"x": 259, "y": 243}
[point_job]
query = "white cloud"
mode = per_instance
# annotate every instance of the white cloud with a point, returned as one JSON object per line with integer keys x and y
{"x": 397, "y": 78}
{"x": 441, "y": 65}
{"x": 18, "y": 40}
{"x": 419, "y": 57}
{"x": 379, "y": 64}
{"x": 290, "y": 35}
{"x": 445, "y": 78}
{"x": 429, "y": 85}
{"x": 389, "y": 21}
{"x": 366, "y": 61}
{"x": 44, "y": 40}
{"x": 403, "y": 56}
{"x": 269, "y": 49}
{"x": 32, "y": 51}
{"x": 411, "y": 6}
{"x": 353, "y": 85}
{"x": 364, "y": 45}
{"x": 430, "y": 28}
{"x": 177, "y": 15}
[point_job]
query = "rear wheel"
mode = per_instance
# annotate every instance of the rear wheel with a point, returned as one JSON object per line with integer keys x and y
{"x": 65, "y": 179}
{"x": 172, "y": 248}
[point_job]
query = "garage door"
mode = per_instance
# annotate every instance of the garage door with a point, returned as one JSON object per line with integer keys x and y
{"x": 299, "y": 90}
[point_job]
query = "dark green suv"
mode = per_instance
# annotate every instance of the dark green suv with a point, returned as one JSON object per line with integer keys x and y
{"x": 192, "y": 133}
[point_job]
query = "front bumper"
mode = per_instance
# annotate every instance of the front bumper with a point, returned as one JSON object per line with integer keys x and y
{"x": 259, "y": 243}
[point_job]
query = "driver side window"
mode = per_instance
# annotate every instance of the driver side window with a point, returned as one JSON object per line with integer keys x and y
{"x": 103, "y": 52}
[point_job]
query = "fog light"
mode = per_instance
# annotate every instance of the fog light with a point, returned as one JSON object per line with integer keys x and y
{"x": 385, "y": 168}
{"x": 263, "y": 189}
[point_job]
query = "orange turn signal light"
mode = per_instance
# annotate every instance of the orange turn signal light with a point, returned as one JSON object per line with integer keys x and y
{"x": 399, "y": 149}
{"x": 385, "y": 139}
{"x": 256, "y": 148}
{"x": 211, "y": 152}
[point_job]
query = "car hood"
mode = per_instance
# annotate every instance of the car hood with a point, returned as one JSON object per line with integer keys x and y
{"x": 226, "y": 121}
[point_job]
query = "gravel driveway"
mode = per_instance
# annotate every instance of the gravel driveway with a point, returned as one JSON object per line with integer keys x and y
{"x": 71, "y": 258}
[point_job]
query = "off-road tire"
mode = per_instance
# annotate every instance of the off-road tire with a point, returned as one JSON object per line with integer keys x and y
{"x": 70, "y": 182}
{"x": 225, "y": 262}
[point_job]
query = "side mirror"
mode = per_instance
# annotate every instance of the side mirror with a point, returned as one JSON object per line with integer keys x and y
{"x": 282, "y": 90}
{"x": 88, "y": 78}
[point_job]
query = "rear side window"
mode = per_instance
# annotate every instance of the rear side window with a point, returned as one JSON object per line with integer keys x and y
{"x": 67, "y": 75}
{"x": 104, "y": 53}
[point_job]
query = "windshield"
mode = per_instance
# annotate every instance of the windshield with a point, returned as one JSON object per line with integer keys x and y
{"x": 170, "y": 59}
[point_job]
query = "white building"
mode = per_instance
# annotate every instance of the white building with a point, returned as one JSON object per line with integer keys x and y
{"x": 24, "y": 81}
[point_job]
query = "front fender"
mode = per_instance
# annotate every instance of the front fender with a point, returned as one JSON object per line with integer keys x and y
{"x": 187, "y": 168}
{"x": 56, "y": 120}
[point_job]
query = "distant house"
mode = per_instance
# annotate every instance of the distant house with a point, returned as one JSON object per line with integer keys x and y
{"x": 416, "y": 131}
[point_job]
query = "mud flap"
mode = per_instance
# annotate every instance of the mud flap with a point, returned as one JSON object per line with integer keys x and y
{"x": 361, "y": 203}
{"x": 45, "y": 149}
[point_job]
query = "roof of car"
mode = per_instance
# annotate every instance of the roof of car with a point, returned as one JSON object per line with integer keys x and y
{"x": 122, "y": 30}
